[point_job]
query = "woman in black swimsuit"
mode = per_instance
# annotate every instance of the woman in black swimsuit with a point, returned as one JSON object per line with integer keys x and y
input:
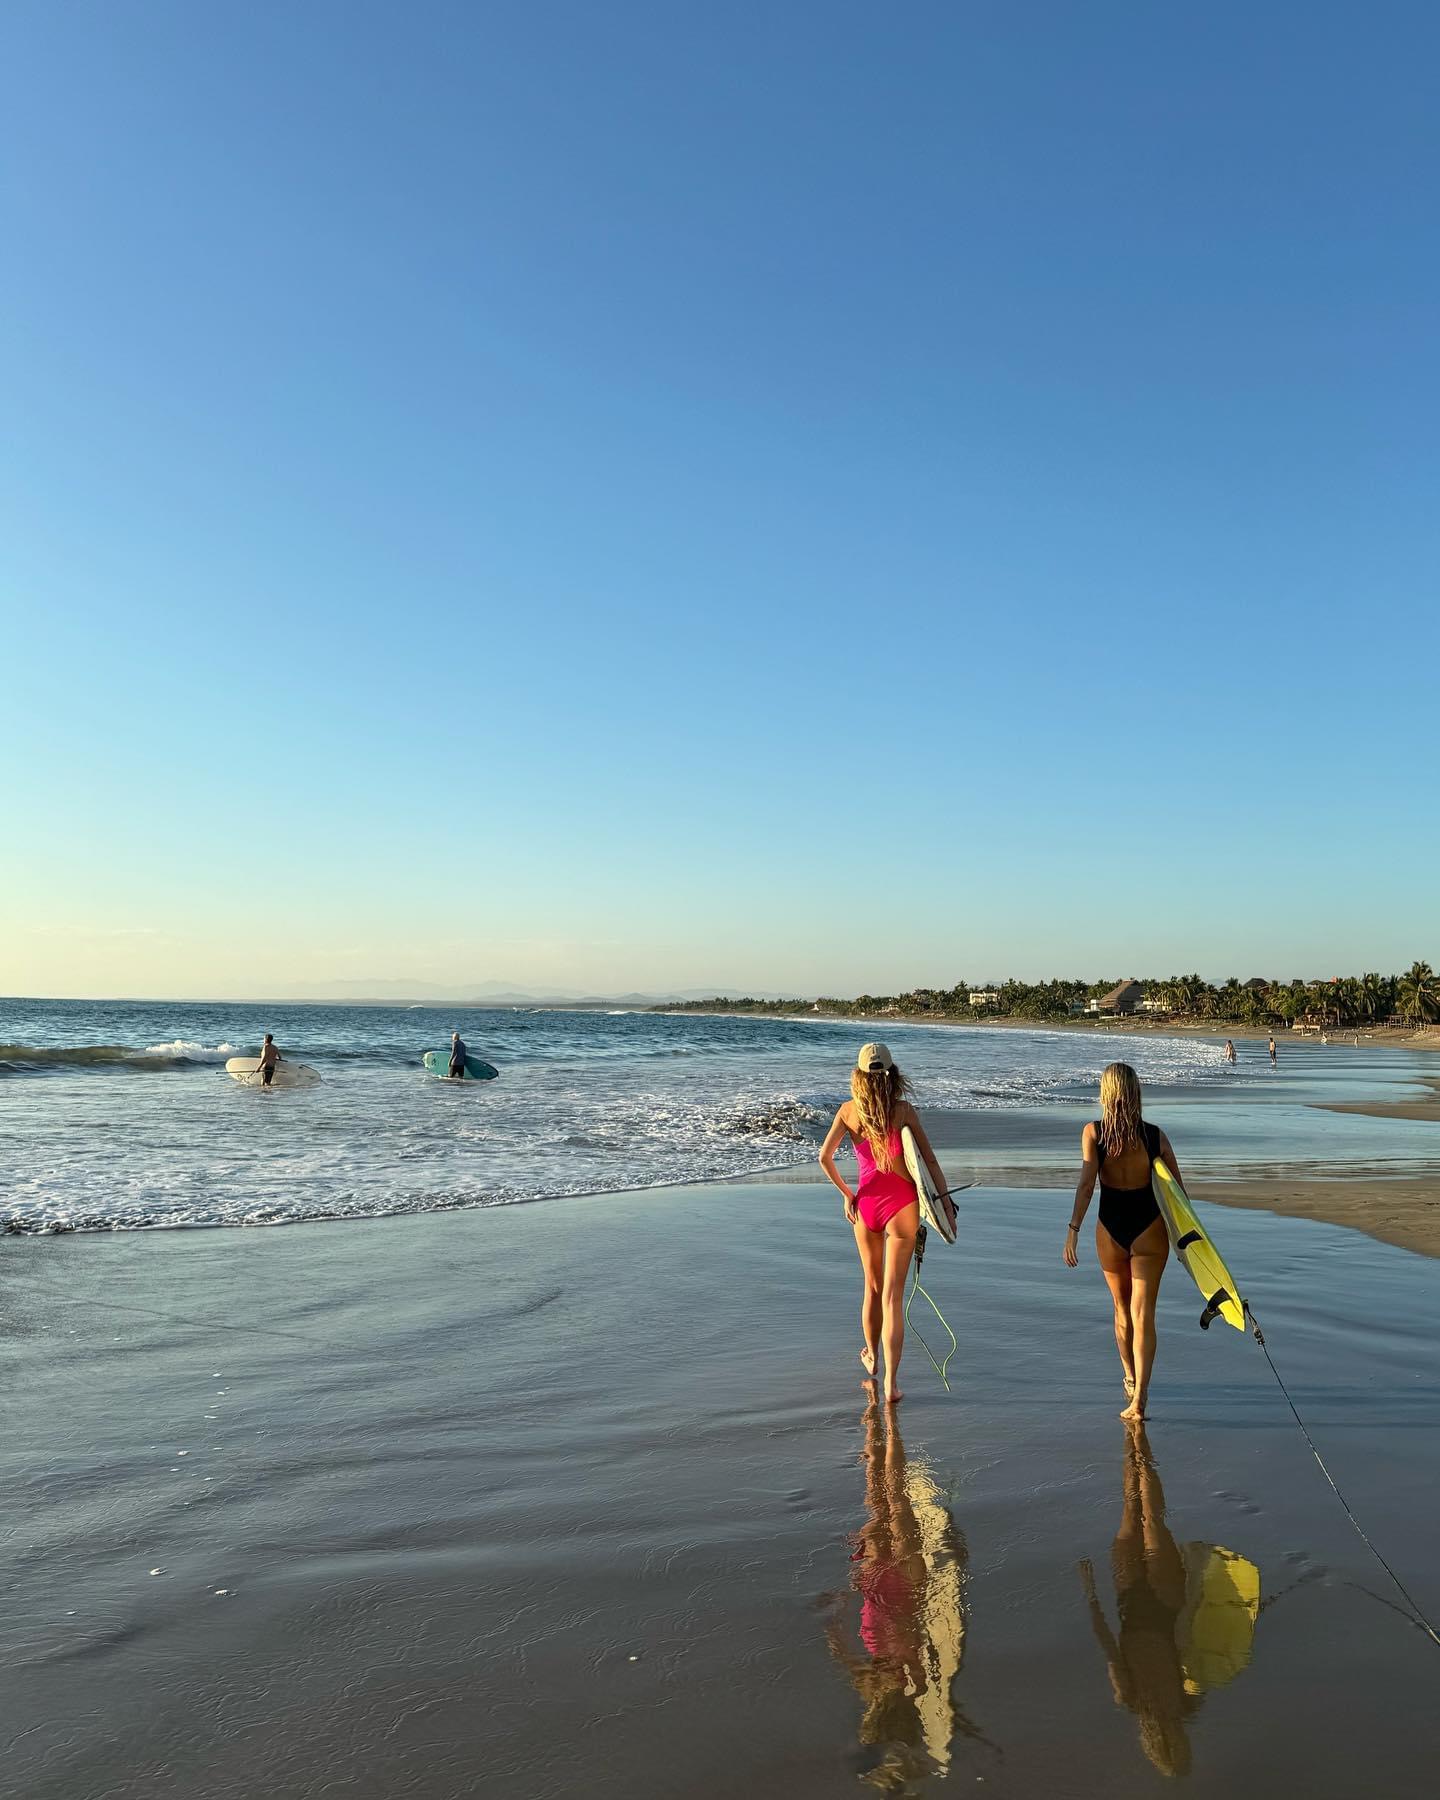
{"x": 1117, "y": 1150}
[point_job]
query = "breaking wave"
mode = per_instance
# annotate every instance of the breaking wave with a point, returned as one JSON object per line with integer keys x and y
{"x": 37, "y": 1059}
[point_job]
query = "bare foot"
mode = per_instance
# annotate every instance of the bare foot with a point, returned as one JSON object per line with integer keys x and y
{"x": 892, "y": 1394}
{"x": 1129, "y": 1381}
{"x": 1135, "y": 1411}
{"x": 867, "y": 1361}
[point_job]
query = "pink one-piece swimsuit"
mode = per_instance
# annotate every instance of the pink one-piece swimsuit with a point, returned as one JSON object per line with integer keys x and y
{"x": 882, "y": 1193}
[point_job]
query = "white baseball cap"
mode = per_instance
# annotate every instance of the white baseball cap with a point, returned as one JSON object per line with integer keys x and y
{"x": 873, "y": 1057}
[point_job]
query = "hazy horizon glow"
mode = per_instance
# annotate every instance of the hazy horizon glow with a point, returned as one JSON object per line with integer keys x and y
{"x": 619, "y": 499}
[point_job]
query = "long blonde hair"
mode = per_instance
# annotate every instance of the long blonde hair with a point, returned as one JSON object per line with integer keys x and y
{"x": 1120, "y": 1117}
{"x": 877, "y": 1094}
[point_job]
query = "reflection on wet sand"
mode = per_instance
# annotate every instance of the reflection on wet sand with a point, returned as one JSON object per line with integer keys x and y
{"x": 1186, "y": 1617}
{"x": 908, "y": 1569}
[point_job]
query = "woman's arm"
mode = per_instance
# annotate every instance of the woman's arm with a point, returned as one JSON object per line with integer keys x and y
{"x": 1168, "y": 1153}
{"x": 838, "y": 1132}
{"x": 1084, "y": 1189}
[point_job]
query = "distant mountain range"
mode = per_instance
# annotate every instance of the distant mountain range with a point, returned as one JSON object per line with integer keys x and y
{"x": 495, "y": 993}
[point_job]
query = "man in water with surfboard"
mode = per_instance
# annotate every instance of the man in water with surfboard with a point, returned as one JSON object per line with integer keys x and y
{"x": 269, "y": 1056}
{"x": 457, "y": 1056}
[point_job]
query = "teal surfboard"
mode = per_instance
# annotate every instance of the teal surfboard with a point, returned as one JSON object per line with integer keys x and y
{"x": 437, "y": 1062}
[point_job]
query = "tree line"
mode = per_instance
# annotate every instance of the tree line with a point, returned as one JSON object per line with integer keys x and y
{"x": 1372, "y": 999}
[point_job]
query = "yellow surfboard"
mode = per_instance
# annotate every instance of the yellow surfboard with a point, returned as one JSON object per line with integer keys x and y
{"x": 1196, "y": 1249}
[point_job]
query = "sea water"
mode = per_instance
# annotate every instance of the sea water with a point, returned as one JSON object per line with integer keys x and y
{"x": 120, "y": 1115}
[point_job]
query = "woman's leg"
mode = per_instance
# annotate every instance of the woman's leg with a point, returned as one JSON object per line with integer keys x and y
{"x": 871, "y": 1245}
{"x": 1148, "y": 1256}
{"x": 899, "y": 1248}
{"x": 1115, "y": 1264}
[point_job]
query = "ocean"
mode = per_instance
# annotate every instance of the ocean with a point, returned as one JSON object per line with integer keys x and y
{"x": 119, "y": 1115}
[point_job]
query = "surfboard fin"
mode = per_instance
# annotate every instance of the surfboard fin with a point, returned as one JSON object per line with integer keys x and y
{"x": 1212, "y": 1308}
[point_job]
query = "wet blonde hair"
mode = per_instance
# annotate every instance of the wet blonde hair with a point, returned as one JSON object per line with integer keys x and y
{"x": 1119, "y": 1109}
{"x": 877, "y": 1094}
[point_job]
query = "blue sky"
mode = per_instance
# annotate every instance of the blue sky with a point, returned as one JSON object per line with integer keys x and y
{"x": 814, "y": 496}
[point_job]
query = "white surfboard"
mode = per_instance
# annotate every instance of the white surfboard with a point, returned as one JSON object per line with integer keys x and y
{"x": 246, "y": 1070}
{"x": 933, "y": 1210}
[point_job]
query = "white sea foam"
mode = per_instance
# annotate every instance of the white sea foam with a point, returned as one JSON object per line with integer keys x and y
{"x": 586, "y": 1103}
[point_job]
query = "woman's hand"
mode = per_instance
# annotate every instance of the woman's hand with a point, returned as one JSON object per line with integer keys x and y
{"x": 851, "y": 1213}
{"x": 1072, "y": 1248}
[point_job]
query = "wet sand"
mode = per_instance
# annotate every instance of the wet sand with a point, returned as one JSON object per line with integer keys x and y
{"x": 1423, "y": 1106}
{"x": 1403, "y": 1210}
{"x": 581, "y": 1499}
{"x": 1396, "y": 1210}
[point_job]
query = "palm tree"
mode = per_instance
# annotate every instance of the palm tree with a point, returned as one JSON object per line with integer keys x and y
{"x": 1184, "y": 990}
{"x": 1419, "y": 994}
{"x": 1349, "y": 1000}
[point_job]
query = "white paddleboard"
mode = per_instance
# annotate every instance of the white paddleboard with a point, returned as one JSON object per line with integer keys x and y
{"x": 246, "y": 1070}
{"x": 933, "y": 1210}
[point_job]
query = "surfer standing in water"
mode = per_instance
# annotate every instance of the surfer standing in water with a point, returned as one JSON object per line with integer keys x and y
{"x": 884, "y": 1209}
{"x": 269, "y": 1056}
{"x": 1118, "y": 1150}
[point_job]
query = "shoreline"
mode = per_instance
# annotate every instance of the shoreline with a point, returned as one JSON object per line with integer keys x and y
{"x": 1402, "y": 1210}
{"x": 1427, "y": 1107}
{"x": 1376, "y": 1036}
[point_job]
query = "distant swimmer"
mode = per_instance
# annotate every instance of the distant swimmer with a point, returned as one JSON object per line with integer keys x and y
{"x": 884, "y": 1209}
{"x": 269, "y": 1057}
{"x": 1118, "y": 1150}
{"x": 457, "y": 1057}
{"x": 1272, "y": 1050}
{"x": 1229, "y": 1051}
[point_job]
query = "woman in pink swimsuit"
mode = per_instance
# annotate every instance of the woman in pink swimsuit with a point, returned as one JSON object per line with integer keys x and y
{"x": 883, "y": 1209}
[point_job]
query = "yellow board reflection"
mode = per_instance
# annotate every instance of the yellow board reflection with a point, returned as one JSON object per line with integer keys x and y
{"x": 1186, "y": 1618}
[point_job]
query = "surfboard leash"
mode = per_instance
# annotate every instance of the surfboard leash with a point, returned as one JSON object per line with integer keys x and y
{"x": 917, "y": 1288}
{"x": 1415, "y": 1614}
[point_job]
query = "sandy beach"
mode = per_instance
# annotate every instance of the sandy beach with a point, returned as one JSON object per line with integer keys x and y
{"x": 1424, "y": 1106}
{"x": 573, "y": 1499}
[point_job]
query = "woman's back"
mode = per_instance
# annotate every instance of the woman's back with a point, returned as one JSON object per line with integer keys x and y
{"x": 1130, "y": 1167}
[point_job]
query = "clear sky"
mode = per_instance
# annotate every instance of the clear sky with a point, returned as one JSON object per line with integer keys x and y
{"x": 804, "y": 495}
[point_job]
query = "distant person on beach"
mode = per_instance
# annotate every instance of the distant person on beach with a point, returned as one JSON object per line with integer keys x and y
{"x": 1118, "y": 1150}
{"x": 1229, "y": 1051}
{"x": 269, "y": 1056}
{"x": 457, "y": 1056}
{"x": 1272, "y": 1050}
{"x": 883, "y": 1209}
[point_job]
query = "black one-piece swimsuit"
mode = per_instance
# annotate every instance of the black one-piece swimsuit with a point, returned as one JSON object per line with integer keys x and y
{"x": 1126, "y": 1212}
